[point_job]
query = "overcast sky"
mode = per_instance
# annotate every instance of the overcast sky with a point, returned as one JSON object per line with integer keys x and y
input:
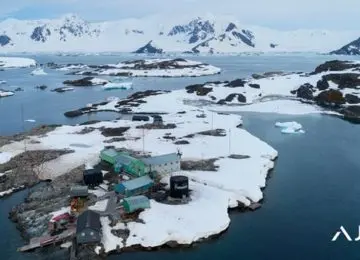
{"x": 279, "y": 14}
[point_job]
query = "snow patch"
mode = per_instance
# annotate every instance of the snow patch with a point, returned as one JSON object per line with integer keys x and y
{"x": 15, "y": 62}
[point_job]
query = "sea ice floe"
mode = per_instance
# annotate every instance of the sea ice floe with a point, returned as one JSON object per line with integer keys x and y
{"x": 290, "y": 127}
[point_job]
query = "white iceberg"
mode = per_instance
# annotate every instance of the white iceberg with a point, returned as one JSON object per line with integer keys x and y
{"x": 30, "y": 120}
{"x": 38, "y": 72}
{"x": 2, "y": 82}
{"x": 290, "y": 127}
{"x": 4, "y": 93}
{"x": 118, "y": 85}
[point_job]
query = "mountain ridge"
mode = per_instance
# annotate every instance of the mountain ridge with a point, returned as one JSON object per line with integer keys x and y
{"x": 200, "y": 34}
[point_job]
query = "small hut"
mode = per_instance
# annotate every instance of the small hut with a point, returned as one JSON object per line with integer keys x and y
{"x": 79, "y": 192}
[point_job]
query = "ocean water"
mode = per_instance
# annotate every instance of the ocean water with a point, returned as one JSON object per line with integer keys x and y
{"x": 47, "y": 107}
{"x": 311, "y": 193}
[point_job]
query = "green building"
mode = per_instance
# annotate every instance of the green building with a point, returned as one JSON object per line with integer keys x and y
{"x": 135, "y": 203}
{"x": 130, "y": 165}
{"x": 109, "y": 155}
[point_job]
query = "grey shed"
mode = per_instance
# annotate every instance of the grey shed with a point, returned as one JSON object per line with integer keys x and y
{"x": 79, "y": 191}
{"x": 88, "y": 228}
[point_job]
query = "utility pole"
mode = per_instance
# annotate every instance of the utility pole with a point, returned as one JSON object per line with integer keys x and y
{"x": 143, "y": 139}
{"x": 23, "y": 124}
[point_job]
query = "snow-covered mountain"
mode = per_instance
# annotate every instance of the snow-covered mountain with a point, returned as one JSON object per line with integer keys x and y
{"x": 352, "y": 48}
{"x": 214, "y": 34}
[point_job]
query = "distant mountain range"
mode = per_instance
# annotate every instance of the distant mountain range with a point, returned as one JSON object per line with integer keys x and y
{"x": 207, "y": 34}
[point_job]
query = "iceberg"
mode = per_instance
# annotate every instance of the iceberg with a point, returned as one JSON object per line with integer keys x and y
{"x": 118, "y": 85}
{"x": 290, "y": 127}
{"x": 38, "y": 72}
{"x": 4, "y": 93}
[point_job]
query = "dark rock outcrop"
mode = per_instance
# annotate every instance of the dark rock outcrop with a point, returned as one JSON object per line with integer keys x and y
{"x": 4, "y": 40}
{"x": 322, "y": 84}
{"x": 118, "y": 131}
{"x": 240, "y": 97}
{"x": 40, "y": 34}
{"x": 198, "y": 89}
{"x": 149, "y": 48}
{"x": 253, "y": 85}
{"x": 335, "y": 65}
{"x": 352, "y": 99}
{"x": 84, "y": 82}
{"x": 330, "y": 98}
{"x": 41, "y": 87}
{"x": 344, "y": 80}
{"x": 305, "y": 91}
{"x": 236, "y": 83}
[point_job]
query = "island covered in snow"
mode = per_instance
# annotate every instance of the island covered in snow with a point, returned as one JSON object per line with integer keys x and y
{"x": 16, "y": 62}
{"x": 200, "y": 137}
{"x": 142, "y": 68}
{"x": 332, "y": 88}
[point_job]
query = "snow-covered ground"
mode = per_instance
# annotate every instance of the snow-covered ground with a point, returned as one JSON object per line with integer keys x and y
{"x": 236, "y": 180}
{"x": 38, "y": 72}
{"x": 15, "y": 62}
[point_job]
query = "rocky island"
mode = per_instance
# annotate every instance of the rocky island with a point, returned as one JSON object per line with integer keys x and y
{"x": 142, "y": 68}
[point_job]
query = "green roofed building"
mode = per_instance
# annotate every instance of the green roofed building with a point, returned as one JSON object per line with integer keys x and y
{"x": 135, "y": 203}
{"x": 109, "y": 155}
{"x": 129, "y": 164}
{"x": 134, "y": 187}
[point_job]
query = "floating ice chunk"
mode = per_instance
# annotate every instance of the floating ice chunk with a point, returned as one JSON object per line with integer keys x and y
{"x": 2, "y": 81}
{"x": 293, "y": 124}
{"x": 6, "y": 93}
{"x": 292, "y": 131}
{"x": 290, "y": 127}
{"x": 30, "y": 120}
{"x": 117, "y": 85}
{"x": 38, "y": 72}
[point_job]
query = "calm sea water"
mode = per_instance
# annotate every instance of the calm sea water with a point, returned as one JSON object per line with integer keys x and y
{"x": 311, "y": 193}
